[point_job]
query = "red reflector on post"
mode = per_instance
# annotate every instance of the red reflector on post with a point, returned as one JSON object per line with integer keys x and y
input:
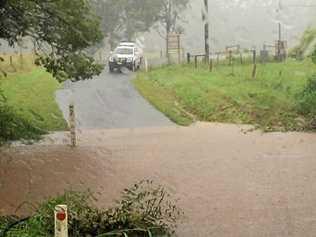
{"x": 61, "y": 216}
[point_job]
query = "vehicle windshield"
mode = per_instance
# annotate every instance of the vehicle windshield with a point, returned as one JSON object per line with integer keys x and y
{"x": 125, "y": 51}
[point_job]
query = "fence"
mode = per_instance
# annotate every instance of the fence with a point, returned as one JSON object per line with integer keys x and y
{"x": 11, "y": 63}
{"x": 229, "y": 58}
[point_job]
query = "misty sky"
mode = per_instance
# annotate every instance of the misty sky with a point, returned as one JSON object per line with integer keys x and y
{"x": 247, "y": 22}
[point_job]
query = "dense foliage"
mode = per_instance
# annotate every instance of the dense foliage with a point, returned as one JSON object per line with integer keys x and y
{"x": 126, "y": 18}
{"x": 307, "y": 99}
{"x": 305, "y": 44}
{"x": 144, "y": 208}
{"x": 61, "y": 30}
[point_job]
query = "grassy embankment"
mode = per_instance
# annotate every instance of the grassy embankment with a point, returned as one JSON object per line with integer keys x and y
{"x": 269, "y": 102}
{"x": 29, "y": 92}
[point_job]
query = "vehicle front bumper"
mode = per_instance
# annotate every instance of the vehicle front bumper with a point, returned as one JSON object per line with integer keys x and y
{"x": 116, "y": 64}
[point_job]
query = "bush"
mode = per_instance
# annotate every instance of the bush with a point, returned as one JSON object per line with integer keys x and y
{"x": 14, "y": 127}
{"x": 307, "y": 101}
{"x": 143, "y": 208}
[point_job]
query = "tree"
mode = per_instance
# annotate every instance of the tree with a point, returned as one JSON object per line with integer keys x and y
{"x": 61, "y": 29}
{"x": 170, "y": 15}
{"x": 126, "y": 18}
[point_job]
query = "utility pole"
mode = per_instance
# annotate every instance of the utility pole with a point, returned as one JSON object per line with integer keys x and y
{"x": 279, "y": 32}
{"x": 205, "y": 17}
{"x": 168, "y": 29}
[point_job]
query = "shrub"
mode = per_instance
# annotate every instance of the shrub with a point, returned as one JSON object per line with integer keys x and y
{"x": 144, "y": 207}
{"x": 307, "y": 101}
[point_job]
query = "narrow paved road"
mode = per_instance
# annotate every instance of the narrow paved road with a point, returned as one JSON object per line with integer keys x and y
{"x": 109, "y": 101}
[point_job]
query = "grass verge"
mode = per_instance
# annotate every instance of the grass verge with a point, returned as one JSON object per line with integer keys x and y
{"x": 229, "y": 94}
{"x": 29, "y": 94}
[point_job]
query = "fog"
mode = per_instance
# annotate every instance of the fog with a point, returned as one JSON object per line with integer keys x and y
{"x": 245, "y": 22}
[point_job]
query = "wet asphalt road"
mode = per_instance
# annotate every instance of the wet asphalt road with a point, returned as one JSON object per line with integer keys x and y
{"x": 109, "y": 101}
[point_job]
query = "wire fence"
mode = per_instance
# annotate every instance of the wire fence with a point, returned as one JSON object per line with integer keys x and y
{"x": 11, "y": 63}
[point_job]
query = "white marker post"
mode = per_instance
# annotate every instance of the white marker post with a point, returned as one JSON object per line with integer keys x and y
{"x": 61, "y": 221}
{"x": 72, "y": 125}
{"x": 146, "y": 65}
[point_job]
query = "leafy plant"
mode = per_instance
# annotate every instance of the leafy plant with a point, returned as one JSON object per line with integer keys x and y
{"x": 60, "y": 30}
{"x": 144, "y": 208}
{"x": 307, "y": 101}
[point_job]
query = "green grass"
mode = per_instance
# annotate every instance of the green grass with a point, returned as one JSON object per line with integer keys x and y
{"x": 31, "y": 94}
{"x": 229, "y": 96}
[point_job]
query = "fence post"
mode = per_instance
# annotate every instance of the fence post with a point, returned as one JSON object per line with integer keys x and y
{"x": 230, "y": 57}
{"x": 211, "y": 65}
{"x": 61, "y": 221}
{"x": 72, "y": 124}
{"x": 195, "y": 61}
{"x": 21, "y": 60}
{"x": 188, "y": 58}
{"x": 254, "y": 69}
{"x": 254, "y": 56}
{"x": 146, "y": 64}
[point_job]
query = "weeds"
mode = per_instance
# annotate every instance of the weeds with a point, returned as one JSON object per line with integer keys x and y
{"x": 307, "y": 102}
{"x": 144, "y": 209}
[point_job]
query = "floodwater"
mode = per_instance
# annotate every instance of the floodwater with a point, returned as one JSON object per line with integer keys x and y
{"x": 229, "y": 182}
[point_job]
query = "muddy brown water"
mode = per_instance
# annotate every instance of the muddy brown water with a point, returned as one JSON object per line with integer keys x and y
{"x": 229, "y": 183}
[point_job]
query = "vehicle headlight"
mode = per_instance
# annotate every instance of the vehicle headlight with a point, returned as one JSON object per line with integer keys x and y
{"x": 129, "y": 60}
{"x": 111, "y": 59}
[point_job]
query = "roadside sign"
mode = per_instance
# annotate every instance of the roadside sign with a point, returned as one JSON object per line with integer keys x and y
{"x": 174, "y": 45}
{"x": 61, "y": 221}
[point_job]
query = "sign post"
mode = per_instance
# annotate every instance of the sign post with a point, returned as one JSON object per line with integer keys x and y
{"x": 72, "y": 124}
{"x": 174, "y": 45}
{"x": 61, "y": 221}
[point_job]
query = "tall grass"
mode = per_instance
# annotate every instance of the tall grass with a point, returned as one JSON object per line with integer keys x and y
{"x": 29, "y": 108}
{"x": 230, "y": 94}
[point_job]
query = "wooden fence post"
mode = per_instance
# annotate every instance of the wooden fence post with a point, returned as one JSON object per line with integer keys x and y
{"x": 146, "y": 65}
{"x": 72, "y": 124}
{"x": 211, "y": 65}
{"x": 21, "y": 60}
{"x": 188, "y": 58}
{"x": 254, "y": 69}
{"x": 195, "y": 61}
{"x": 230, "y": 57}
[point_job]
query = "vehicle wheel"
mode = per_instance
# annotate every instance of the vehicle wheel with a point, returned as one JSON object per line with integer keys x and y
{"x": 111, "y": 69}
